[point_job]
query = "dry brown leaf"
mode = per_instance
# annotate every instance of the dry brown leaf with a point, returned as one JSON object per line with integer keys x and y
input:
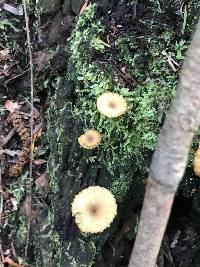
{"x": 38, "y": 162}
{"x": 11, "y": 262}
{"x": 42, "y": 59}
{"x": 11, "y": 106}
{"x": 14, "y": 203}
{"x": 4, "y": 54}
{"x": 42, "y": 180}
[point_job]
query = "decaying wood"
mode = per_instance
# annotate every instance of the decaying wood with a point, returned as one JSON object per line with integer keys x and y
{"x": 169, "y": 160}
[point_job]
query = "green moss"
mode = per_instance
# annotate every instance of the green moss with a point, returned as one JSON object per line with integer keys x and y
{"x": 152, "y": 87}
{"x": 120, "y": 186}
{"x": 152, "y": 54}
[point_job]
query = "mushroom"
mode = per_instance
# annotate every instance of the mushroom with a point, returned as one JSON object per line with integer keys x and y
{"x": 111, "y": 104}
{"x": 90, "y": 139}
{"x": 94, "y": 209}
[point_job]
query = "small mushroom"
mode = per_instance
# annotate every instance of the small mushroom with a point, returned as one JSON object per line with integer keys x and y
{"x": 94, "y": 209}
{"x": 111, "y": 104}
{"x": 90, "y": 139}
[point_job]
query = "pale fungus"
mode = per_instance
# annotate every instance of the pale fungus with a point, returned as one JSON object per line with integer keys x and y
{"x": 94, "y": 209}
{"x": 90, "y": 139}
{"x": 111, "y": 104}
{"x": 197, "y": 162}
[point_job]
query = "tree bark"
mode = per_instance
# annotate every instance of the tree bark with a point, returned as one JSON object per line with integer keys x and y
{"x": 169, "y": 160}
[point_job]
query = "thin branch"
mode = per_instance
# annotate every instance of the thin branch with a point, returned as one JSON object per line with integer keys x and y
{"x": 31, "y": 123}
{"x": 1, "y": 205}
{"x": 169, "y": 160}
{"x": 8, "y": 137}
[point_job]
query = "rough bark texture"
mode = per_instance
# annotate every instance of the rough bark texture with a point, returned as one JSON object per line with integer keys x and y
{"x": 169, "y": 160}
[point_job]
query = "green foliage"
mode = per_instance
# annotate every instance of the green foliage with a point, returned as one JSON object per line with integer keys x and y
{"x": 18, "y": 189}
{"x": 8, "y": 27}
{"x": 5, "y": 23}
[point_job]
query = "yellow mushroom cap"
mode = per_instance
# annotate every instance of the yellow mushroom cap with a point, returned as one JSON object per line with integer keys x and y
{"x": 111, "y": 104}
{"x": 94, "y": 209}
{"x": 90, "y": 139}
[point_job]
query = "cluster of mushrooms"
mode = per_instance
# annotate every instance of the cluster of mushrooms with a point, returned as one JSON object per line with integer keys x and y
{"x": 94, "y": 208}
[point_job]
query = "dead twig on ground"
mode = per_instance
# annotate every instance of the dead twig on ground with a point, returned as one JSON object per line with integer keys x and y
{"x": 31, "y": 122}
{"x": 169, "y": 160}
{"x": 83, "y": 7}
{"x": 8, "y": 137}
{"x": 9, "y": 152}
{"x": 1, "y": 206}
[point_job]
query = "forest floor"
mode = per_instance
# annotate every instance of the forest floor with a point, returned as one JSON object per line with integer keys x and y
{"x": 22, "y": 184}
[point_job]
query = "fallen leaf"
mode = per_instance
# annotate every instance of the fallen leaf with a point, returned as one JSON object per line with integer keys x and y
{"x": 42, "y": 180}
{"x": 38, "y": 162}
{"x": 13, "y": 10}
{"x": 11, "y": 262}
{"x": 4, "y": 54}
{"x": 6, "y": 195}
{"x": 14, "y": 203}
{"x": 42, "y": 59}
{"x": 11, "y": 106}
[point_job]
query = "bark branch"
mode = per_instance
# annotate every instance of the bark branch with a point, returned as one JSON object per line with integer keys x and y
{"x": 169, "y": 160}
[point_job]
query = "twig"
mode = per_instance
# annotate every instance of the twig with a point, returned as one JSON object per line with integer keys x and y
{"x": 1, "y": 205}
{"x": 169, "y": 160}
{"x": 15, "y": 77}
{"x": 31, "y": 125}
{"x": 9, "y": 152}
{"x": 13, "y": 250}
{"x": 83, "y": 7}
{"x": 8, "y": 137}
